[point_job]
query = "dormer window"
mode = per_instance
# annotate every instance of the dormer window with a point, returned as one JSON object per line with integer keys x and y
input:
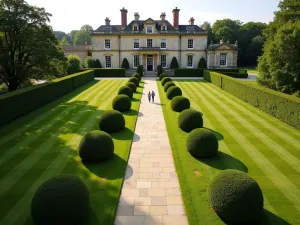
{"x": 163, "y": 27}
{"x": 135, "y": 27}
{"x": 149, "y": 29}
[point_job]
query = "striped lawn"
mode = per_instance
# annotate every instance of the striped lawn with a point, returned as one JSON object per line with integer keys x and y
{"x": 44, "y": 144}
{"x": 249, "y": 140}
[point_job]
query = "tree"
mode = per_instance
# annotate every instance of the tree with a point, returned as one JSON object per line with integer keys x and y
{"x": 174, "y": 63}
{"x": 202, "y": 63}
{"x": 81, "y": 37}
{"x": 89, "y": 62}
{"x": 27, "y": 42}
{"x": 60, "y": 35}
{"x": 227, "y": 29}
{"x": 72, "y": 34}
{"x": 207, "y": 27}
{"x": 87, "y": 28}
{"x": 74, "y": 64}
{"x": 279, "y": 66}
{"x": 254, "y": 50}
{"x": 125, "y": 64}
{"x": 97, "y": 64}
{"x": 64, "y": 41}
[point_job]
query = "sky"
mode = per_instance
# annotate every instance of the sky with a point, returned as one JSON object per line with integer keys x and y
{"x": 71, "y": 15}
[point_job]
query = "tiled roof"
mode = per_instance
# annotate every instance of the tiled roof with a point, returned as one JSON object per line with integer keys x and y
{"x": 109, "y": 28}
{"x": 191, "y": 28}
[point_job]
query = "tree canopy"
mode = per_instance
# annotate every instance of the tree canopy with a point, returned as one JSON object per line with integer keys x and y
{"x": 82, "y": 36}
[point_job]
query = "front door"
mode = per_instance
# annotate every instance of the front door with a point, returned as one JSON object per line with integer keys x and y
{"x": 149, "y": 62}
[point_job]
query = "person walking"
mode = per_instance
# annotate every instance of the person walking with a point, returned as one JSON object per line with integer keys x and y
{"x": 153, "y": 94}
{"x": 149, "y": 96}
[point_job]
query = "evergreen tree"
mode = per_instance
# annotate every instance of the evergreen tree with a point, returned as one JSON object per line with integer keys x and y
{"x": 174, "y": 63}
{"x": 74, "y": 64}
{"x": 202, "y": 63}
{"x": 125, "y": 64}
{"x": 97, "y": 64}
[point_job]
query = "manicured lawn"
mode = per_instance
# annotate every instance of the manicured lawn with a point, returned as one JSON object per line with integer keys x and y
{"x": 251, "y": 70}
{"x": 45, "y": 143}
{"x": 249, "y": 140}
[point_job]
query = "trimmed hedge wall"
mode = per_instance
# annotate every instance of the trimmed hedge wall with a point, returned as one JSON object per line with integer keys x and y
{"x": 20, "y": 102}
{"x": 282, "y": 106}
{"x": 226, "y": 70}
{"x": 235, "y": 75}
{"x": 183, "y": 72}
{"x": 108, "y": 72}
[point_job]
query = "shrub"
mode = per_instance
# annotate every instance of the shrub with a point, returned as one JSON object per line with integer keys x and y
{"x": 134, "y": 80}
{"x": 188, "y": 72}
{"x": 202, "y": 142}
{"x": 173, "y": 92}
{"x": 174, "y": 63}
{"x": 89, "y": 62}
{"x": 126, "y": 91}
{"x": 190, "y": 119}
{"x": 138, "y": 76}
{"x": 167, "y": 85}
{"x": 74, "y": 64}
{"x": 111, "y": 121}
{"x": 125, "y": 64}
{"x": 97, "y": 64}
{"x": 121, "y": 103}
{"x": 140, "y": 70}
{"x": 131, "y": 85}
{"x": 62, "y": 200}
{"x": 96, "y": 146}
{"x": 180, "y": 103}
{"x": 109, "y": 72}
{"x": 235, "y": 75}
{"x": 163, "y": 75}
{"x": 236, "y": 197}
{"x": 165, "y": 80}
{"x": 159, "y": 70}
{"x": 202, "y": 63}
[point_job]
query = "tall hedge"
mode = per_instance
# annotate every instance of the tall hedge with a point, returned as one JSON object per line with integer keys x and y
{"x": 282, "y": 106}
{"x": 74, "y": 64}
{"x": 174, "y": 63}
{"x": 188, "y": 72}
{"x": 109, "y": 72}
{"x": 20, "y": 102}
{"x": 125, "y": 64}
{"x": 89, "y": 62}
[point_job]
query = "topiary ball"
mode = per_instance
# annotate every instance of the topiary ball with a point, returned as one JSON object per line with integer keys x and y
{"x": 236, "y": 197}
{"x": 163, "y": 75}
{"x": 126, "y": 91}
{"x": 121, "y": 103}
{"x": 180, "y": 103}
{"x": 167, "y": 85}
{"x": 61, "y": 200}
{"x": 134, "y": 80}
{"x": 111, "y": 121}
{"x": 132, "y": 86}
{"x": 165, "y": 80}
{"x": 190, "y": 119}
{"x": 137, "y": 75}
{"x": 202, "y": 142}
{"x": 96, "y": 146}
{"x": 173, "y": 92}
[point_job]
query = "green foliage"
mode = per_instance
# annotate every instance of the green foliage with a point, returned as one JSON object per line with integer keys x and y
{"x": 134, "y": 80}
{"x": 126, "y": 91}
{"x": 140, "y": 70}
{"x": 74, "y": 64}
{"x": 180, "y": 103}
{"x": 173, "y": 92}
{"x": 207, "y": 27}
{"x": 111, "y": 72}
{"x": 64, "y": 41}
{"x": 72, "y": 35}
{"x": 60, "y": 35}
{"x": 125, "y": 64}
{"x": 202, "y": 63}
{"x": 227, "y": 29}
{"x": 81, "y": 37}
{"x": 137, "y": 75}
{"x": 121, "y": 103}
{"x": 62, "y": 199}
{"x": 235, "y": 75}
{"x": 190, "y": 119}
{"x": 39, "y": 95}
{"x": 163, "y": 76}
{"x": 87, "y": 28}
{"x": 168, "y": 84}
{"x": 96, "y": 146}
{"x": 98, "y": 64}
{"x": 165, "y": 80}
{"x": 279, "y": 105}
{"x": 160, "y": 70}
{"x": 188, "y": 72}
{"x": 236, "y": 197}
{"x": 89, "y": 62}
{"x": 174, "y": 63}
{"x": 202, "y": 142}
{"x": 27, "y": 43}
{"x": 112, "y": 121}
{"x": 132, "y": 86}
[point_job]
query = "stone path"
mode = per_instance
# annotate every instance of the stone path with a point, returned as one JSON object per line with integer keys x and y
{"x": 151, "y": 193}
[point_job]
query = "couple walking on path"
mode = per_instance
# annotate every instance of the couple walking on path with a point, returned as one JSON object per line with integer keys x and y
{"x": 151, "y": 95}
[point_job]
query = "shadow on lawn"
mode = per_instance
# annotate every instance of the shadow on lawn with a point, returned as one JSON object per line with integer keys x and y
{"x": 131, "y": 112}
{"x": 224, "y": 161}
{"x": 219, "y": 136}
{"x": 135, "y": 100}
{"x": 125, "y": 134}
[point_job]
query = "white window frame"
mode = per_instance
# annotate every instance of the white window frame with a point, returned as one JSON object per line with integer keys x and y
{"x": 135, "y": 26}
{"x": 135, "y": 65}
{"x": 187, "y": 64}
{"x": 108, "y": 63}
{"x": 223, "y": 60}
{"x": 107, "y": 42}
{"x": 149, "y": 42}
{"x": 163, "y": 28}
{"x": 190, "y": 43}
{"x": 161, "y": 61}
{"x": 138, "y": 43}
{"x": 163, "y": 41}
{"x": 148, "y": 31}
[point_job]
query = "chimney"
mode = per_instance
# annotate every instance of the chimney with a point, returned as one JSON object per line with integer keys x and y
{"x": 176, "y": 17}
{"x": 107, "y": 21}
{"x": 191, "y": 21}
{"x": 136, "y": 16}
{"x": 123, "y": 17}
{"x": 163, "y": 16}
